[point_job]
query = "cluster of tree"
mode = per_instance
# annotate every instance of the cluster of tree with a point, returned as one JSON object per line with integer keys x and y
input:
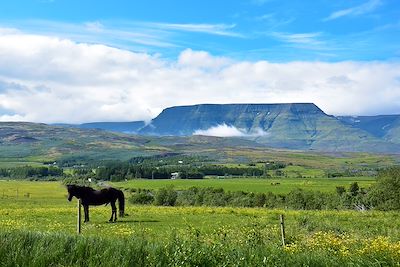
{"x": 31, "y": 172}
{"x": 162, "y": 166}
{"x": 218, "y": 170}
{"x": 79, "y": 180}
{"x": 296, "y": 199}
{"x": 351, "y": 173}
{"x": 118, "y": 171}
{"x": 384, "y": 195}
{"x": 170, "y": 158}
{"x": 73, "y": 160}
{"x": 122, "y": 171}
{"x": 271, "y": 165}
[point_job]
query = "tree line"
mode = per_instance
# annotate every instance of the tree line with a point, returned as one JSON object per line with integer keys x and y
{"x": 384, "y": 195}
{"x": 122, "y": 171}
{"x": 31, "y": 172}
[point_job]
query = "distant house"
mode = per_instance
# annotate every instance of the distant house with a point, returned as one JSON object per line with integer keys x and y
{"x": 174, "y": 175}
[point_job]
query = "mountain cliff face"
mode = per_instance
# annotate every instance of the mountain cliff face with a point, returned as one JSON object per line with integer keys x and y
{"x": 294, "y": 126}
{"x": 386, "y": 127}
{"x": 185, "y": 120}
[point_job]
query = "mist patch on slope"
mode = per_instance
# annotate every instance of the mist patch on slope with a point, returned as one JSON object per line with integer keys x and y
{"x": 224, "y": 130}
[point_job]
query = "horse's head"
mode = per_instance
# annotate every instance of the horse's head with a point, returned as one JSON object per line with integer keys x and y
{"x": 71, "y": 191}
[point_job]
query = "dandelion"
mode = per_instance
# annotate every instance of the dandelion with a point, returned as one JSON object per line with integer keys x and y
{"x": 292, "y": 248}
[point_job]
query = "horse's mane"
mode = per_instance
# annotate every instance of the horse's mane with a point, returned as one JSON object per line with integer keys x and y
{"x": 81, "y": 188}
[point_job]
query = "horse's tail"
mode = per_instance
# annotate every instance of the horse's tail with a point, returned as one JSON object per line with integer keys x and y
{"x": 121, "y": 203}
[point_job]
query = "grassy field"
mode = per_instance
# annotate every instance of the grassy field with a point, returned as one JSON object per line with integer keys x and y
{"x": 43, "y": 206}
{"x": 154, "y": 234}
{"x": 47, "y": 209}
{"x": 279, "y": 186}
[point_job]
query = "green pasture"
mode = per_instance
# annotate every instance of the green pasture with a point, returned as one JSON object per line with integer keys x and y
{"x": 12, "y": 163}
{"x": 312, "y": 159}
{"x": 256, "y": 185}
{"x": 54, "y": 190}
{"x": 46, "y": 208}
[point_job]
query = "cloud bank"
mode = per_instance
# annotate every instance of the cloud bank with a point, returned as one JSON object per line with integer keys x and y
{"x": 224, "y": 130}
{"x": 48, "y": 79}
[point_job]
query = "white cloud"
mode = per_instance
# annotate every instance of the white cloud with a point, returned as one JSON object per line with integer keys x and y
{"x": 224, "y": 130}
{"x": 133, "y": 35}
{"x": 310, "y": 38}
{"x": 201, "y": 59}
{"x": 95, "y": 26}
{"x": 215, "y": 29}
{"x": 46, "y": 79}
{"x": 364, "y": 8}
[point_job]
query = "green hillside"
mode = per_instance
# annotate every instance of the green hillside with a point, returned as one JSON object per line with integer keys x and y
{"x": 22, "y": 141}
{"x": 35, "y": 144}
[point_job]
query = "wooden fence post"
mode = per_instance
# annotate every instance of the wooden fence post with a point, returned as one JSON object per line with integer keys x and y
{"x": 282, "y": 219}
{"x": 78, "y": 225}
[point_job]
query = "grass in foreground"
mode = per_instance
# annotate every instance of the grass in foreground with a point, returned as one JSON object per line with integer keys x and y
{"x": 40, "y": 231}
{"x": 191, "y": 248}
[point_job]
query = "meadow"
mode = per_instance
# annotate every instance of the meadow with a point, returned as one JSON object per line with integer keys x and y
{"x": 256, "y": 185}
{"x": 37, "y": 230}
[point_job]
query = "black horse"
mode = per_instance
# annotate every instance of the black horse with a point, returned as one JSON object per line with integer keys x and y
{"x": 89, "y": 196}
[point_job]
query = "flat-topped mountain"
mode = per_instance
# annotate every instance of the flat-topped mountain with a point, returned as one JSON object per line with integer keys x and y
{"x": 186, "y": 120}
{"x": 294, "y": 126}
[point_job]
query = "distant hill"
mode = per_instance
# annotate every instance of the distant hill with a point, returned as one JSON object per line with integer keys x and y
{"x": 122, "y": 127}
{"x": 20, "y": 140}
{"x": 38, "y": 142}
{"x": 293, "y": 126}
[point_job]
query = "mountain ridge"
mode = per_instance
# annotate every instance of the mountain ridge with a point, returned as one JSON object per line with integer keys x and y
{"x": 301, "y": 126}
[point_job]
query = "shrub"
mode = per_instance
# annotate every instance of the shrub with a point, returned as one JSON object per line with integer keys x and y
{"x": 142, "y": 197}
{"x": 384, "y": 195}
{"x": 166, "y": 196}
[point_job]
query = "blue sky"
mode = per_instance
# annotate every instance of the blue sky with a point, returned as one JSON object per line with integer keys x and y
{"x": 272, "y": 30}
{"x": 80, "y": 61}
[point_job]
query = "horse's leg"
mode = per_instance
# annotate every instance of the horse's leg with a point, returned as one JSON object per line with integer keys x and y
{"x": 113, "y": 211}
{"x": 86, "y": 209}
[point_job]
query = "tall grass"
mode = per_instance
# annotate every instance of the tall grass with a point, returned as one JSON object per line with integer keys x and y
{"x": 22, "y": 248}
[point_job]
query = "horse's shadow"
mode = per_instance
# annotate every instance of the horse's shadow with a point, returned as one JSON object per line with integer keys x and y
{"x": 140, "y": 221}
{"x": 134, "y": 221}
